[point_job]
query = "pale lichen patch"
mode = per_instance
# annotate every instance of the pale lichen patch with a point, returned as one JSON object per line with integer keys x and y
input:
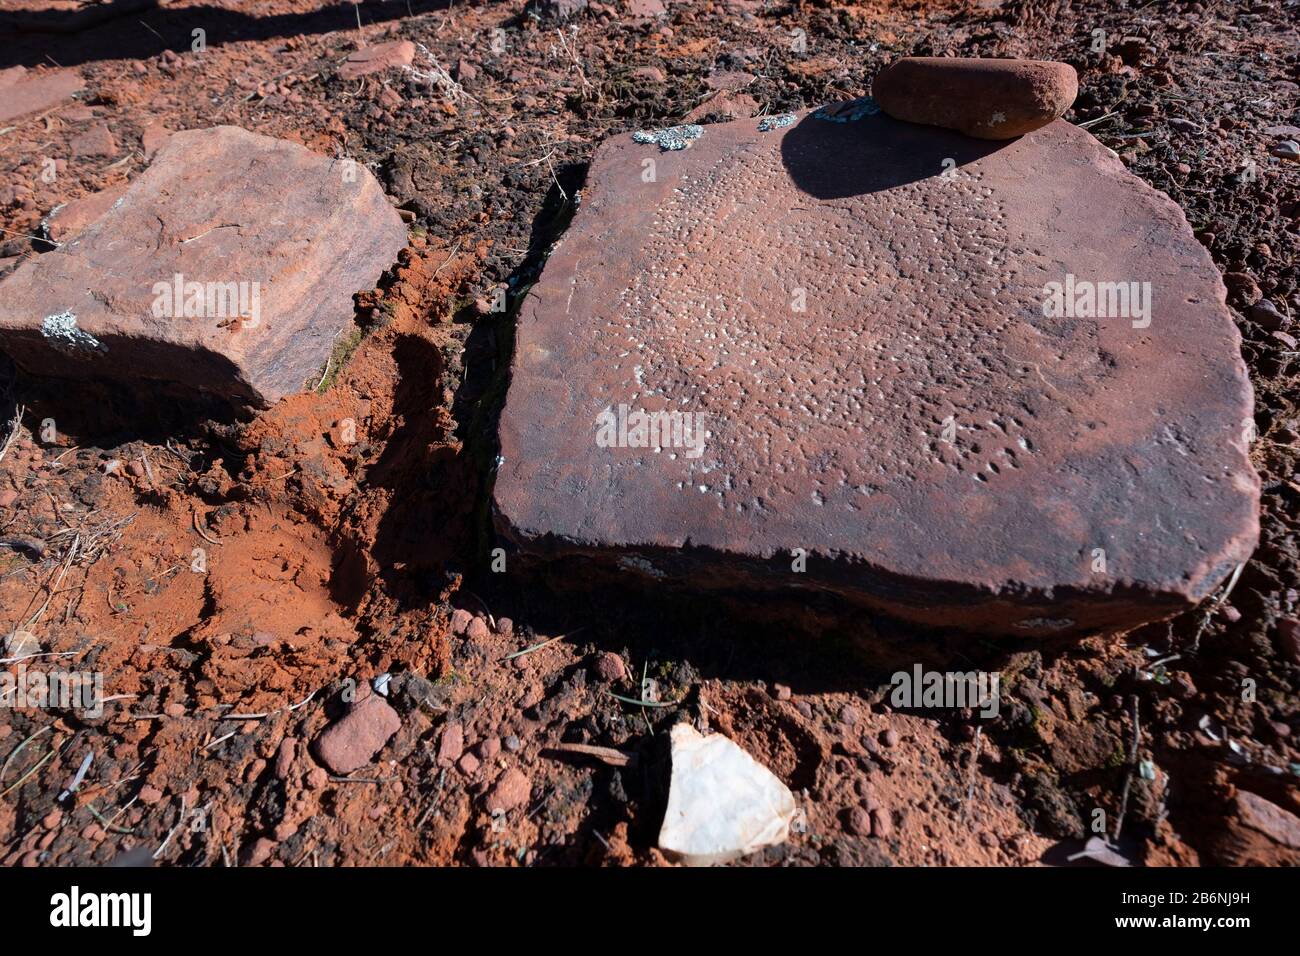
{"x": 61, "y": 331}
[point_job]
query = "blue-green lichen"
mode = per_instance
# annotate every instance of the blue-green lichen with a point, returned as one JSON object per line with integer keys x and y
{"x": 780, "y": 121}
{"x": 848, "y": 112}
{"x": 672, "y": 138}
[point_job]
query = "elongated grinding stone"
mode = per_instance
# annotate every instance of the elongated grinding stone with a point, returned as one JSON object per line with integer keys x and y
{"x": 986, "y": 98}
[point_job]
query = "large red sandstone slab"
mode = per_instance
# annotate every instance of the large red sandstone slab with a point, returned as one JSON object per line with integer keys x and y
{"x": 1097, "y": 472}
{"x": 265, "y": 242}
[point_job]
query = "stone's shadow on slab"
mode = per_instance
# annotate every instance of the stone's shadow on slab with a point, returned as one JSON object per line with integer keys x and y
{"x": 837, "y": 160}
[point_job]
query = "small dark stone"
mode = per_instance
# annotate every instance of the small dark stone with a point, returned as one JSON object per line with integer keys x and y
{"x": 557, "y": 9}
{"x": 857, "y": 821}
{"x": 1265, "y": 314}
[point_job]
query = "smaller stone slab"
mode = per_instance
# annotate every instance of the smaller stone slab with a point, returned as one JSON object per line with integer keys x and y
{"x": 228, "y": 268}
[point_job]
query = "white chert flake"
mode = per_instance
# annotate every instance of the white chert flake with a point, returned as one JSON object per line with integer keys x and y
{"x": 722, "y": 803}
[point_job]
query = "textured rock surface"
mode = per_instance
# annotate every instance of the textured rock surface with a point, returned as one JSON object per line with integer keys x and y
{"x": 722, "y": 803}
{"x": 353, "y": 740}
{"x": 67, "y": 220}
{"x": 1097, "y": 474}
{"x": 23, "y": 93}
{"x": 254, "y": 221}
{"x": 987, "y": 98}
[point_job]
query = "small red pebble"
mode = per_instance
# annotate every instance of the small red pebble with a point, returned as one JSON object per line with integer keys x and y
{"x": 284, "y": 830}
{"x": 284, "y": 757}
{"x": 317, "y": 778}
{"x": 478, "y": 630}
{"x": 608, "y": 667}
{"x": 451, "y": 745}
{"x": 258, "y": 852}
{"x": 858, "y": 822}
{"x": 1182, "y": 685}
{"x": 510, "y": 791}
{"x": 882, "y": 824}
